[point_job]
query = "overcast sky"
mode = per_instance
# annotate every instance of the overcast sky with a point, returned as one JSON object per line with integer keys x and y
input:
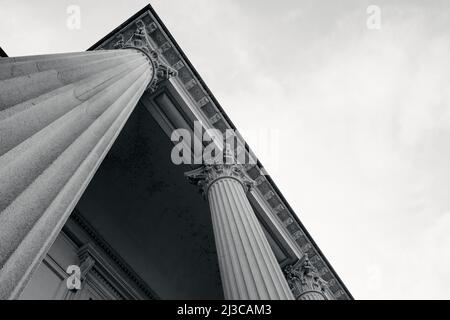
{"x": 361, "y": 115}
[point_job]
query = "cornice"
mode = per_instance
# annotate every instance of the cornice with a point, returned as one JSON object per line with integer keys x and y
{"x": 110, "y": 253}
{"x": 161, "y": 41}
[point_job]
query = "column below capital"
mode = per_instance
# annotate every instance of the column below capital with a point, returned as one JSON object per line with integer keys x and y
{"x": 248, "y": 266}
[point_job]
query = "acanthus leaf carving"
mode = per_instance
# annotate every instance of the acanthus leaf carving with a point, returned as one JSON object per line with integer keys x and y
{"x": 140, "y": 40}
{"x": 207, "y": 174}
{"x": 303, "y": 277}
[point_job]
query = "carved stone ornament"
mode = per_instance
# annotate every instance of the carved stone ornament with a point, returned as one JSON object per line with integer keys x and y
{"x": 140, "y": 40}
{"x": 303, "y": 278}
{"x": 206, "y": 175}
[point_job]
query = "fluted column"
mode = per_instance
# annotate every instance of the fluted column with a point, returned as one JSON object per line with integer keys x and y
{"x": 248, "y": 266}
{"x": 59, "y": 115}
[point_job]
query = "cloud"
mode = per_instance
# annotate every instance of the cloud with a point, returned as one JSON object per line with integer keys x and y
{"x": 363, "y": 115}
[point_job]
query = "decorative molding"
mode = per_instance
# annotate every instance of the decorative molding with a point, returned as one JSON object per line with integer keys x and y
{"x": 203, "y": 101}
{"x": 93, "y": 262}
{"x": 177, "y": 66}
{"x": 139, "y": 39}
{"x": 87, "y": 262}
{"x": 190, "y": 84}
{"x": 259, "y": 180}
{"x": 89, "y": 251}
{"x": 105, "y": 288}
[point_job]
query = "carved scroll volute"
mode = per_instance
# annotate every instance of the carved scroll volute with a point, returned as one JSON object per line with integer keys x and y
{"x": 140, "y": 40}
{"x": 305, "y": 281}
{"x": 206, "y": 175}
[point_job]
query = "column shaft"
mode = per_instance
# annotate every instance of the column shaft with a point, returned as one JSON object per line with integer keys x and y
{"x": 59, "y": 116}
{"x": 248, "y": 266}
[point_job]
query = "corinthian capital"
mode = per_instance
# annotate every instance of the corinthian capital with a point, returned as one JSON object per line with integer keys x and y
{"x": 206, "y": 175}
{"x": 303, "y": 277}
{"x": 139, "y": 40}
